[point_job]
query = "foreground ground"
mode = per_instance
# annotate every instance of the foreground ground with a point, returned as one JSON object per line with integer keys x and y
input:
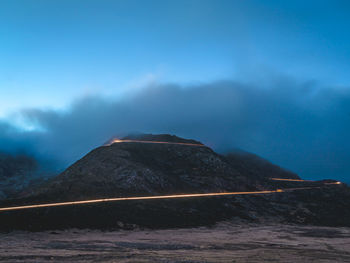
{"x": 223, "y": 243}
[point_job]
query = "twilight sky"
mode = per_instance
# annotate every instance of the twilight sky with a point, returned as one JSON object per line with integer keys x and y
{"x": 271, "y": 77}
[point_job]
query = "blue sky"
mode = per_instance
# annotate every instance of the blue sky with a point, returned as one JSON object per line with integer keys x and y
{"x": 55, "y": 51}
{"x": 56, "y": 56}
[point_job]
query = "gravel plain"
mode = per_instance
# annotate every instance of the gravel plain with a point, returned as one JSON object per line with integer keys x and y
{"x": 225, "y": 242}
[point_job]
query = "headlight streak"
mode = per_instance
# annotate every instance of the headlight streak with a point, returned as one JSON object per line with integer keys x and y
{"x": 153, "y": 197}
{"x": 300, "y": 180}
{"x": 290, "y": 180}
{"x": 154, "y": 142}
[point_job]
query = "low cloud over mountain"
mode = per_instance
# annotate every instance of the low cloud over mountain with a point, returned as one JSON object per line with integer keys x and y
{"x": 301, "y": 126}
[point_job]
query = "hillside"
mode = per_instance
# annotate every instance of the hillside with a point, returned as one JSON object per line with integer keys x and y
{"x": 16, "y": 173}
{"x": 142, "y": 168}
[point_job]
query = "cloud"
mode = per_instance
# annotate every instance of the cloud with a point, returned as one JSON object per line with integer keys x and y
{"x": 301, "y": 126}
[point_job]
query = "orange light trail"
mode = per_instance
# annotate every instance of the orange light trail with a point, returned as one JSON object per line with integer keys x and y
{"x": 156, "y": 142}
{"x": 152, "y": 197}
{"x": 138, "y": 198}
{"x": 300, "y": 180}
{"x": 290, "y": 180}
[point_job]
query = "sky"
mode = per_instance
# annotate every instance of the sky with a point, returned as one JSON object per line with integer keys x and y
{"x": 270, "y": 77}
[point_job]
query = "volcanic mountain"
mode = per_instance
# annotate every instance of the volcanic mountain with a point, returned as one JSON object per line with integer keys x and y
{"x": 149, "y": 165}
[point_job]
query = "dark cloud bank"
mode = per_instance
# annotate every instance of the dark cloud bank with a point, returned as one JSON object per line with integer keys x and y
{"x": 304, "y": 127}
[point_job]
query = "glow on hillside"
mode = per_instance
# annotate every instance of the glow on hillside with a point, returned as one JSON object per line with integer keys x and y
{"x": 153, "y": 142}
{"x": 300, "y": 180}
{"x": 290, "y": 180}
{"x": 138, "y": 198}
{"x": 154, "y": 197}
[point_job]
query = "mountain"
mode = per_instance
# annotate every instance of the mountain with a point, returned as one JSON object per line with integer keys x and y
{"x": 134, "y": 168}
{"x": 143, "y": 165}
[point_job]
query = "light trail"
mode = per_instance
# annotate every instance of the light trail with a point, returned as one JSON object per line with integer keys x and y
{"x": 334, "y": 183}
{"x": 155, "y": 142}
{"x": 290, "y": 180}
{"x": 152, "y": 197}
{"x": 136, "y": 198}
{"x": 300, "y": 180}
{"x": 102, "y": 200}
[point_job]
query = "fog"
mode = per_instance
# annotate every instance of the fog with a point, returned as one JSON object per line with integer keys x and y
{"x": 302, "y": 126}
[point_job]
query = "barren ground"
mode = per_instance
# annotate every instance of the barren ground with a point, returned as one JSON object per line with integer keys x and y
{"x": 222, "y": 243}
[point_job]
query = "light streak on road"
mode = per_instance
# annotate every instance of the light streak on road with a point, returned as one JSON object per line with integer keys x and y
{"x": 147, "y": 198}
{"x": 300, "y": 180}
{"x": 103, "y": 200}
{"x": 290, "y": 180}
{"x": 155, "y": 142}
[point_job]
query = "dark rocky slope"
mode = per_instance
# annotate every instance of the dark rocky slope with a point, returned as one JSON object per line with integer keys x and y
{"x": 137, "y": 169}
{"x": 17, "y": 172}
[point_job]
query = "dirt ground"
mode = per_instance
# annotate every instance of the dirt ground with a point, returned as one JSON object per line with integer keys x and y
{"x": 222, "y": 243}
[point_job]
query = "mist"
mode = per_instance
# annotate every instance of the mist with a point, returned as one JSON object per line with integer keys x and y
{"x": 302, "y": 126}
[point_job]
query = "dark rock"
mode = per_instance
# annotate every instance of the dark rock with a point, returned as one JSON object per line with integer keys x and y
{"x": 17, "y": 172}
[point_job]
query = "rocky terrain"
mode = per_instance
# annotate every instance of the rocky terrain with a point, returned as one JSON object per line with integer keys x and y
{"x": 18, "y": 172}
{"x": 225, "y": 243}
{"x": 146, "y": 169}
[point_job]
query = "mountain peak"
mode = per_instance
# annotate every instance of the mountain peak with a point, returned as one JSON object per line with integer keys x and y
{"x": 153, "y": 138}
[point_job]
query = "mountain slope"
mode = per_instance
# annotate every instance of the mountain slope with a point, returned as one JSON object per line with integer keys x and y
{"x": 16, "y": 173}
{"x": 142, "y": 168}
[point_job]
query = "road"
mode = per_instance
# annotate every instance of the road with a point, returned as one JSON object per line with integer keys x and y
{"x": 154, "y": 142}
{"x": 192, "y": 195}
